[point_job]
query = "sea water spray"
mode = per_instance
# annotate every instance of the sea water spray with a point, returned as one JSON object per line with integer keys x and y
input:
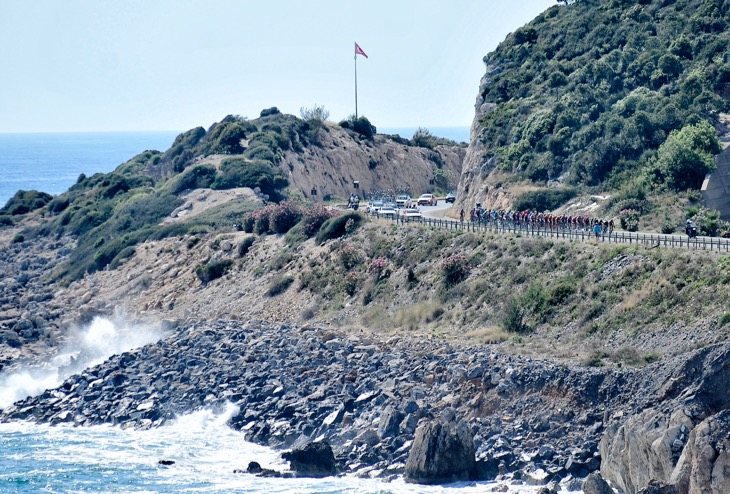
{"x": 85, "y": 347}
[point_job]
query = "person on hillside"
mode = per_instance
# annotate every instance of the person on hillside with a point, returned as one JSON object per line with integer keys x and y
{"x": 461, "y": 215}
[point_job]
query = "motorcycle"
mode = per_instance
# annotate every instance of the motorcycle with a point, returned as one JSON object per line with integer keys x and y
{"x": 691, "y": 231}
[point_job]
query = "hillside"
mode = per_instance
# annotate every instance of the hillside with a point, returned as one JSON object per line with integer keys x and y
{"x": 622, "y": 98}
{"x": 279, "y": 156}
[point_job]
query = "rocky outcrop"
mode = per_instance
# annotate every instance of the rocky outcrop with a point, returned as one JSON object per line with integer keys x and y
{"x": 682, "y": 441}
{"x": 378, "y": 165}
{"x": 441, "y": 453}
{"x": 363, "y": 395}
{"x": 312, "y": 459}
{"x": 594, "y": 484}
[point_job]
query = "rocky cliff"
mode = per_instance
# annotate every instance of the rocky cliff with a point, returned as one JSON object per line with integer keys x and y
{"x": 379, "y": 165}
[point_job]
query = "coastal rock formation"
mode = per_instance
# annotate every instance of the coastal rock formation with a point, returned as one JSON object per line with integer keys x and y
{"x": 682, "y": 442}
{"x": 594, "y": 484}
{"x": 312, "y": 459}
{"x": 441, "y": 453}
{"x": 365, "y": 395}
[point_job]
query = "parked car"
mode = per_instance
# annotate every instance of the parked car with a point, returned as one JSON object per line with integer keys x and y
{"x": 403, "y": 200}
{"x": 427, "y": 200}
{"x": 411, "y": 214}
{"x": 387, "y": 211}
{"x": 451, "y": 197}
{"x": 374, "y": 207}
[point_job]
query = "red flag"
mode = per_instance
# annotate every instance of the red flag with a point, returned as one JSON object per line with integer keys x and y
{"x": 358, "y": 51}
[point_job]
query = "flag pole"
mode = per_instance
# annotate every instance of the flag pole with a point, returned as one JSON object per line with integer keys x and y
{"x": 355, "y": 80}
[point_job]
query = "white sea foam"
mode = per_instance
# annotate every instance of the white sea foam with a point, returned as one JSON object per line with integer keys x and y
{"x": 86, "y": 347}
{"x": 205, "y": 452}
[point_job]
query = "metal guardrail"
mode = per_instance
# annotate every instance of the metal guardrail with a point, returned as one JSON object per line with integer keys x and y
{"x": 617, "y": 236}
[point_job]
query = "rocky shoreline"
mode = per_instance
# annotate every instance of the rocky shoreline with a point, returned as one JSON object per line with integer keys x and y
{"x": 532, "y": 420}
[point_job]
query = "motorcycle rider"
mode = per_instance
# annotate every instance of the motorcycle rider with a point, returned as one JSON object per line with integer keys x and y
{"x": 691, "y": 229}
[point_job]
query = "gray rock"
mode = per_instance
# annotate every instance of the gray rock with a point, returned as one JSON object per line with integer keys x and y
{"x": 595, "y": 484}
{"x": 441, "y": 453}
{"x": 389, "y": 422}
{"x": 314, "y": 459}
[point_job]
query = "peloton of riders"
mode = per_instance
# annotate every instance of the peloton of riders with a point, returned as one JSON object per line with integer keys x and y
{"x": 527, "y": 219}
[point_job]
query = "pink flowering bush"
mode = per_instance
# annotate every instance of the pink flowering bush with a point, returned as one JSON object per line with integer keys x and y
{"x": 455, "y": 268}
{"x": 315, "y": 216}
{"x": 380, "y": 267}
{"x": 350, "y": 256}
{"x": 629, "y": 219}
{"x": 284, "y": 216}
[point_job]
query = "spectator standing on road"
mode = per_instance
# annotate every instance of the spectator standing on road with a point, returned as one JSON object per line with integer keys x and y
{"x": 597, "y": 229}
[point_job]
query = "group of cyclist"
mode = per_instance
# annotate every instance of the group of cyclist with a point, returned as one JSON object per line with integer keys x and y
{"x": 533, "y": 219}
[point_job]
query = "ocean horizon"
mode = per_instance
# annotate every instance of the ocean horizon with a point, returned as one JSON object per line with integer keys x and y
{"x": 51, "y": 162}
{"x": 458, "y": 134}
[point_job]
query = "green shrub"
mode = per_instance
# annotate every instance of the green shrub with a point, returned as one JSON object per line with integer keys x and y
{"x": 544, "y": 200}
{"x": 535, "y": 299}
{"x": 237, "y": 172}
{"x": 724, "y": 319}
{"x": 270, "y": 111}
{"x": 18, "y": 238}
{"x": 350, "y": 256}
{"x": 213, "y": 270}
{"x": 6, "y": 221}
{"x": 261, "y": 153}
{"x": 58, "y": 205}
{"x": 338, "y": 226}
{"x": 230, "y": 137}
{"x": 668, "y": 227}
{"x": 513, "y": 318}
{"x": 279, "y": 285}
{"x": 560, "y": 292}
{"x": 25, "y": 201}
{"x": 296, "y": 235}
{"x": 245, "y": 246}
{"x": 197, "y": 177}
{"x": 360, "y": 125}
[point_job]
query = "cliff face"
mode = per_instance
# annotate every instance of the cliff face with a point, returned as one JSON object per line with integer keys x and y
{"x": 478, "y": 163}
{"x": 380, "y": 164}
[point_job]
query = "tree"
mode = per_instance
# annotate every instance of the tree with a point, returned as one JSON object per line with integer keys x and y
{"x": 687, "y": 156}
{"x": 316, "y": 114}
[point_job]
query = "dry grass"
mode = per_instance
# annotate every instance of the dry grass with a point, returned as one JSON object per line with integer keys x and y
{"x": 488, "y": 335}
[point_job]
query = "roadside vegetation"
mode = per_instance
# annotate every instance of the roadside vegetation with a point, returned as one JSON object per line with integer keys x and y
{"x": 616, "y": 96}
{"x": 545, "y": 296}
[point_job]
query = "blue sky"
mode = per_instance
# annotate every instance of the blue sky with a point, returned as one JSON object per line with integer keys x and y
{"x": 103, "y": 65}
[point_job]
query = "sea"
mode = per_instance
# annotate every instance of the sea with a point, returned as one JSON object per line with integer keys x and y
{"x": 52, "y": 162}
{"x": 38, "y": 458}
{"x": 457, "y": 134}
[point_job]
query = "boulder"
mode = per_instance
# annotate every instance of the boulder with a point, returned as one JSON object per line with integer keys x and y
{"x": 389, "y": 422}
{"x": 441, "y": 453}
{"x": 313, "y": 459}
{"x": 595, "y": 484}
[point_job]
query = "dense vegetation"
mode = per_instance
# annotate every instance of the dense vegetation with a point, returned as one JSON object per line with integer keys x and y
{"x": 610, "y": 93}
